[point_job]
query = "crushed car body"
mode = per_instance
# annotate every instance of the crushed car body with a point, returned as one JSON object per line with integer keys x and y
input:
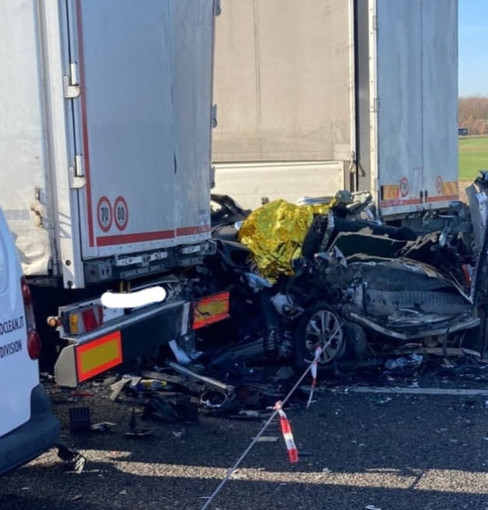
{"x": 337, "y": 276}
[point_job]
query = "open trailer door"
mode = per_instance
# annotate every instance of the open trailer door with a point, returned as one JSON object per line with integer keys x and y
{"x": 414, "y": 103}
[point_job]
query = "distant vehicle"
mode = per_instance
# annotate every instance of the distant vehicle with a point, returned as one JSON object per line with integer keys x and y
{"x": 27, "y": 425}
{"x": 463, "y": 131}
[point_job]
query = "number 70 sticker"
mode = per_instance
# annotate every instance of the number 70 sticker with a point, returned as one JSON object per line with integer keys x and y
{"x": 104, "y": 214}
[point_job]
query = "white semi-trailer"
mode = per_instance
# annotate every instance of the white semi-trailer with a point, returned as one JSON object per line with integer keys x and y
{"x": 105, "y": 163}
{"x": 318, "y": 95}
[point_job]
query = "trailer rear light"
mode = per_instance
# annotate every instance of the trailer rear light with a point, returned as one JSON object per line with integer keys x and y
{"x": 33, "y": 344}
{"x": 85, "y": 320}
{"x": 90, "y": 321}
{"x": 73, "y": 323}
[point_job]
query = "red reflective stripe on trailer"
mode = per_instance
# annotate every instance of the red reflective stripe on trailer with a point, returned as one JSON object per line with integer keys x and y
{"x": 135, "y": 238}
{"x": 187, "y": 231}
{"x": 399, "y": 202}
{"x": 414, "y": 201}
{"x": 97, "y": 356}
{"x": 211, "y": 309}
{"x": 442, "y": 198}
{"x": 150, "y": 236}
{"x": 84, "y": 123}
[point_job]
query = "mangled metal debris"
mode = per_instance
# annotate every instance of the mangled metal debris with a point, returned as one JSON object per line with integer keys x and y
{"x": 74, "y": 460}
{"x": 336, "y": 276}
{"x": 136, "y": 431}
{"x": 361, "y": 290}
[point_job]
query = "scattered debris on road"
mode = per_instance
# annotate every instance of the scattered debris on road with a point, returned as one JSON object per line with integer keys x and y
{"x": 336, "y": 289}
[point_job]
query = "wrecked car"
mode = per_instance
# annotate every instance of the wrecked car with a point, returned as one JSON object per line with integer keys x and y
{"x": 330, "y": 273}
{"x": 392, "y": 282}
{"x": 339, "y": 278}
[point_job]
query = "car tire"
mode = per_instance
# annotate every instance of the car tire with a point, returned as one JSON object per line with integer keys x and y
{"x": 356, "y": 342}
{"x": 319, "y": 325}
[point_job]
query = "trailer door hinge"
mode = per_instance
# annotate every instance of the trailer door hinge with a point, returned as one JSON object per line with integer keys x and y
{"x": 214, "y": 116}
{"x": 76, "y": 174}
{"x": 375, "y": 22}
{"x": 71, "y": 82}
{"x": 217, "y": 8}
{"x": 212, "y": 177}
{"x": 376, "y": 104}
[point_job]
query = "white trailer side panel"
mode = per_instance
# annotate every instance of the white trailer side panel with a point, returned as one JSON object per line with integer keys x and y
{"x": 123, "y": 166}
{"x": 399, "y": 98}
{"x": 23, "y": 149}
{"x": 416, "y": 104}
{"x": 138, "y": 127}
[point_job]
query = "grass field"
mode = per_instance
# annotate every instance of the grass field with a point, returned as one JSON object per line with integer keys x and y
{"x": 473, "y": 156}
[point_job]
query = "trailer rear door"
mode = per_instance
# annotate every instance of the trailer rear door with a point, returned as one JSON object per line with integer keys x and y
{"x": 415, "y": 47}
{"x": 142, "y": 122}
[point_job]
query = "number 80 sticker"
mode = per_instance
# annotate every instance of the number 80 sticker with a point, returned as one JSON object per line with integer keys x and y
{"x": 121, "y": 213}
{"x": 104, "y": 214}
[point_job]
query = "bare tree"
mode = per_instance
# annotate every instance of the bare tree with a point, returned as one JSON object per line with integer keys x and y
{"x": 473, "y": 114}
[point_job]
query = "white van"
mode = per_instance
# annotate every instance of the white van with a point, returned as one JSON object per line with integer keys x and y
{"x": 27, "y": 425}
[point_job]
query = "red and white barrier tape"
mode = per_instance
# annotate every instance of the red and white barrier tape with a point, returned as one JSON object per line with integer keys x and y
{"x": 292, "y": 451}
{"x": 254, "y": 441}
{"x": 313, "y": 371}
{"x": 287, "y": 434}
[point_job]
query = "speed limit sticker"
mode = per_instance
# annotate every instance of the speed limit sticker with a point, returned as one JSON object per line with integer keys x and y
{"x": 404, "y": 188}
{"x": 121, "y": 213}
{"x": 104, "y": 214}
{"x": 439, "y": 184}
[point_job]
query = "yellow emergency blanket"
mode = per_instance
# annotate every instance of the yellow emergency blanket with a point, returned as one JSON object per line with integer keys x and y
{"x": 275, "y": 232}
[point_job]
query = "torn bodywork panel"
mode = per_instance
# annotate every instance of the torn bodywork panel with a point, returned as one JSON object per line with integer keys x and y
{"x": 399, "y": 298}
{"x": 405, "y": 299}
{"x": 394, "y": 279}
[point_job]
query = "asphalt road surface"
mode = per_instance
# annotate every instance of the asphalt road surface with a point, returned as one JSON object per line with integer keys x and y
{"x": 358, "y": 451}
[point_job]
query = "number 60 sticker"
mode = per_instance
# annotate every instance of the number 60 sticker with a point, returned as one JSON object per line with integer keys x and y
{"x": 121, "y": 213}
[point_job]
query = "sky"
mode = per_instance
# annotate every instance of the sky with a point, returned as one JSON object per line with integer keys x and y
{"x": 473, "y": 47}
